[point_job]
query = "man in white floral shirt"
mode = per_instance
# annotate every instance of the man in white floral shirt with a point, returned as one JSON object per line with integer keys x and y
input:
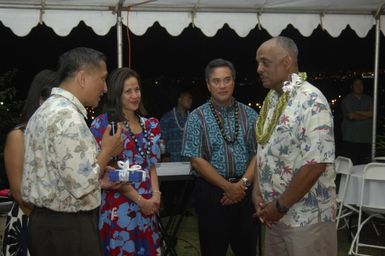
{"x": 62, "y": 165}
{"x": 295, "y": 198}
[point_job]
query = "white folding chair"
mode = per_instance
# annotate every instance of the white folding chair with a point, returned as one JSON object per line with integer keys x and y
{"x": 343, "y": 167}
{"x": 373, "y": 173}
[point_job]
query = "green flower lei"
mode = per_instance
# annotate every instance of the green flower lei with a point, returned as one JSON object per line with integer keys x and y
{"x": 263, "y": 137}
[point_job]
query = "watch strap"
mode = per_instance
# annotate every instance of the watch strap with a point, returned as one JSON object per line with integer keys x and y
{"x": 246, "y": 182}
{"x": 281, "y": 208}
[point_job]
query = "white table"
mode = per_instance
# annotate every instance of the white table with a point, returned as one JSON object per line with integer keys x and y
{"x": 353, "y": 192}
{"x": 173, "y": 170}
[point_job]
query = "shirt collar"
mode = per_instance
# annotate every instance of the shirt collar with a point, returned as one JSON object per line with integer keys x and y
{"x": 70, "y": 97}
{"x": 224, "y": 109}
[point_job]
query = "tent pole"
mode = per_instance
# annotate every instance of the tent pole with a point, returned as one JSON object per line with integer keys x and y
{"x": 375, "y": 85}
{"x": 119, "y": 37}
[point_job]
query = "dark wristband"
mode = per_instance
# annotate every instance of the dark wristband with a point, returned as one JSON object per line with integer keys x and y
{"x": 281, "y": 208}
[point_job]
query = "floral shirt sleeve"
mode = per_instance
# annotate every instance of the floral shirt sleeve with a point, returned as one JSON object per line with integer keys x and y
{"x": 98, "y": 126}
{"x": 153, "y": 125}
{"x": 317, "y": 144}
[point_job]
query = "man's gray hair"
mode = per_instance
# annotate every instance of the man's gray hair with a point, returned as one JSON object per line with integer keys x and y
{"x": 288, "y": 45}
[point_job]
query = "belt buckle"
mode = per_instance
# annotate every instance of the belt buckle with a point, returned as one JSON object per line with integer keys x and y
{"x": 232, "y": 180}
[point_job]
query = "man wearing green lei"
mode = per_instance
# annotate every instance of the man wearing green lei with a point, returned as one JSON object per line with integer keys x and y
{"x": 296, "y": 197}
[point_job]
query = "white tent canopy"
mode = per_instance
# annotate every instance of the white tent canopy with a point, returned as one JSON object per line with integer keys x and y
{"x": 208, "y": 15}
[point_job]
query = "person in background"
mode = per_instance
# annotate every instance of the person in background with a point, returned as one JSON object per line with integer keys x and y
{"x": 219, "y": 139}
{"x": 357, "y": 123}
{"x": 172, "y": 126}
{"x": 294, "y": 193}
{"x": 128, "y": 222}
{"x": 16, "y": 227}
{"x": 63, "y": 168}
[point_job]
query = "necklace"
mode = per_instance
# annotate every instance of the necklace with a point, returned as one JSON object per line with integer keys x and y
{"x": 264, "y": 136}
{"x": 220, "y": 124}
{"x": 145, "y": 151}
{"x": 176, "y": 120}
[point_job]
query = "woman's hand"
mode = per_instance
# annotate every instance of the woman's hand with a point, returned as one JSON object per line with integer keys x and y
{"x": 148, "y": 206}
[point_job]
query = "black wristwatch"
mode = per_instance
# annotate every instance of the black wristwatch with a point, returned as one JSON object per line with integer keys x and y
{"x": 281, "y": 208}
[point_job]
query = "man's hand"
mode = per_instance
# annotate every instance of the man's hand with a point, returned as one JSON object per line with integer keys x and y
{"x": 113, "y": 144}
{"x": 233, "y": 193}
{"x": 268, "y": 214}
{"x": 105, "y": 182}
{"x": 259, "y": 206}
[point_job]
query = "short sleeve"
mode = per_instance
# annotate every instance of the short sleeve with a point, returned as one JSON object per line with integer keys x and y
{"x": 192, "y": 136}
{"x": 345, "y": 106}
{"x": 318, "y": 136}
{"x": 98, "y": 126}
{"x": 251, "y": 137}
{"x": 152, "y": 124}
{"x": 164, "y": 126}
{"x": 75, "y": 156}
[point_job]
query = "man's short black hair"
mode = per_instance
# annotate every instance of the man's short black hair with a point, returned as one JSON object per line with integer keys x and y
{"x": 218, "y": 63}
{"x": 75, "y": 59}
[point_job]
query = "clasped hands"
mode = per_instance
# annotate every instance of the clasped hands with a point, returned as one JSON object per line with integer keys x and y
{"x": 233, "y": 193}
{"x": 266, "y": 212}
{"x": 150, "y": 206}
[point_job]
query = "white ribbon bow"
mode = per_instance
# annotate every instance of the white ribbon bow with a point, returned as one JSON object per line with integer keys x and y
{"x": 125, "y": 169}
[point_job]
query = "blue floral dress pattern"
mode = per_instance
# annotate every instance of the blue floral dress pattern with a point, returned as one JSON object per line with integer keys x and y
{"x": 123, "y": 227}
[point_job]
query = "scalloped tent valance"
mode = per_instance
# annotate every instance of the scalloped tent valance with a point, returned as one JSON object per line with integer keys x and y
{"x": 208, "y": 15}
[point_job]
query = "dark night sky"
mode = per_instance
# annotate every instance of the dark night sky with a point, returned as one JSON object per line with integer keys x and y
{"x": 180, "y": 61}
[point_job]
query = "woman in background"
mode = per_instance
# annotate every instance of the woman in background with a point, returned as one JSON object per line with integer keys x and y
{"x": 128, "y": 222}
{"x": 15, "y": 234}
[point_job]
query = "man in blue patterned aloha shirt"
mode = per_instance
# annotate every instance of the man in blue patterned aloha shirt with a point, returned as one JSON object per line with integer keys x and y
{"x": 63, "y": 169}
{"x": 172, "y": 126}
{"x": 219, "y": 139}
{"x": 296, "y": 197}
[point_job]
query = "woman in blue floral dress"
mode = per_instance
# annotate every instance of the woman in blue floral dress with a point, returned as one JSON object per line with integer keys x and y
{"x": 128, "y": 222}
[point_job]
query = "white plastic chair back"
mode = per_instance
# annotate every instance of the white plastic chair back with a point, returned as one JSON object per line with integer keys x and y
{"x": 373, "y": 172}
{"x": 343, "y": 167}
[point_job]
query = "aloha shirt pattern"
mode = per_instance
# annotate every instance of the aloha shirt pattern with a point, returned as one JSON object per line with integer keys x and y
{"x": 173, "y": 134}
{"x": 202, "y": 138}
{"x": 303, "y": 135}
{"x": 60, "y": 168}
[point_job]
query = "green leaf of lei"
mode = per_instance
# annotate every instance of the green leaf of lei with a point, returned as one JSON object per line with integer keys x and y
{"x": 264, "y": 136}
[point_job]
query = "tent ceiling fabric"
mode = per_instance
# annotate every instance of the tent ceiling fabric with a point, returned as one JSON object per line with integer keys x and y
{"x": 208, "y": 15}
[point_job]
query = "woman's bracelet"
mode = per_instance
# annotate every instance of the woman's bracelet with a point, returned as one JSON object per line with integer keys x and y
{"x": 138, "y": 199}
{"x": 156, "y": 191}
